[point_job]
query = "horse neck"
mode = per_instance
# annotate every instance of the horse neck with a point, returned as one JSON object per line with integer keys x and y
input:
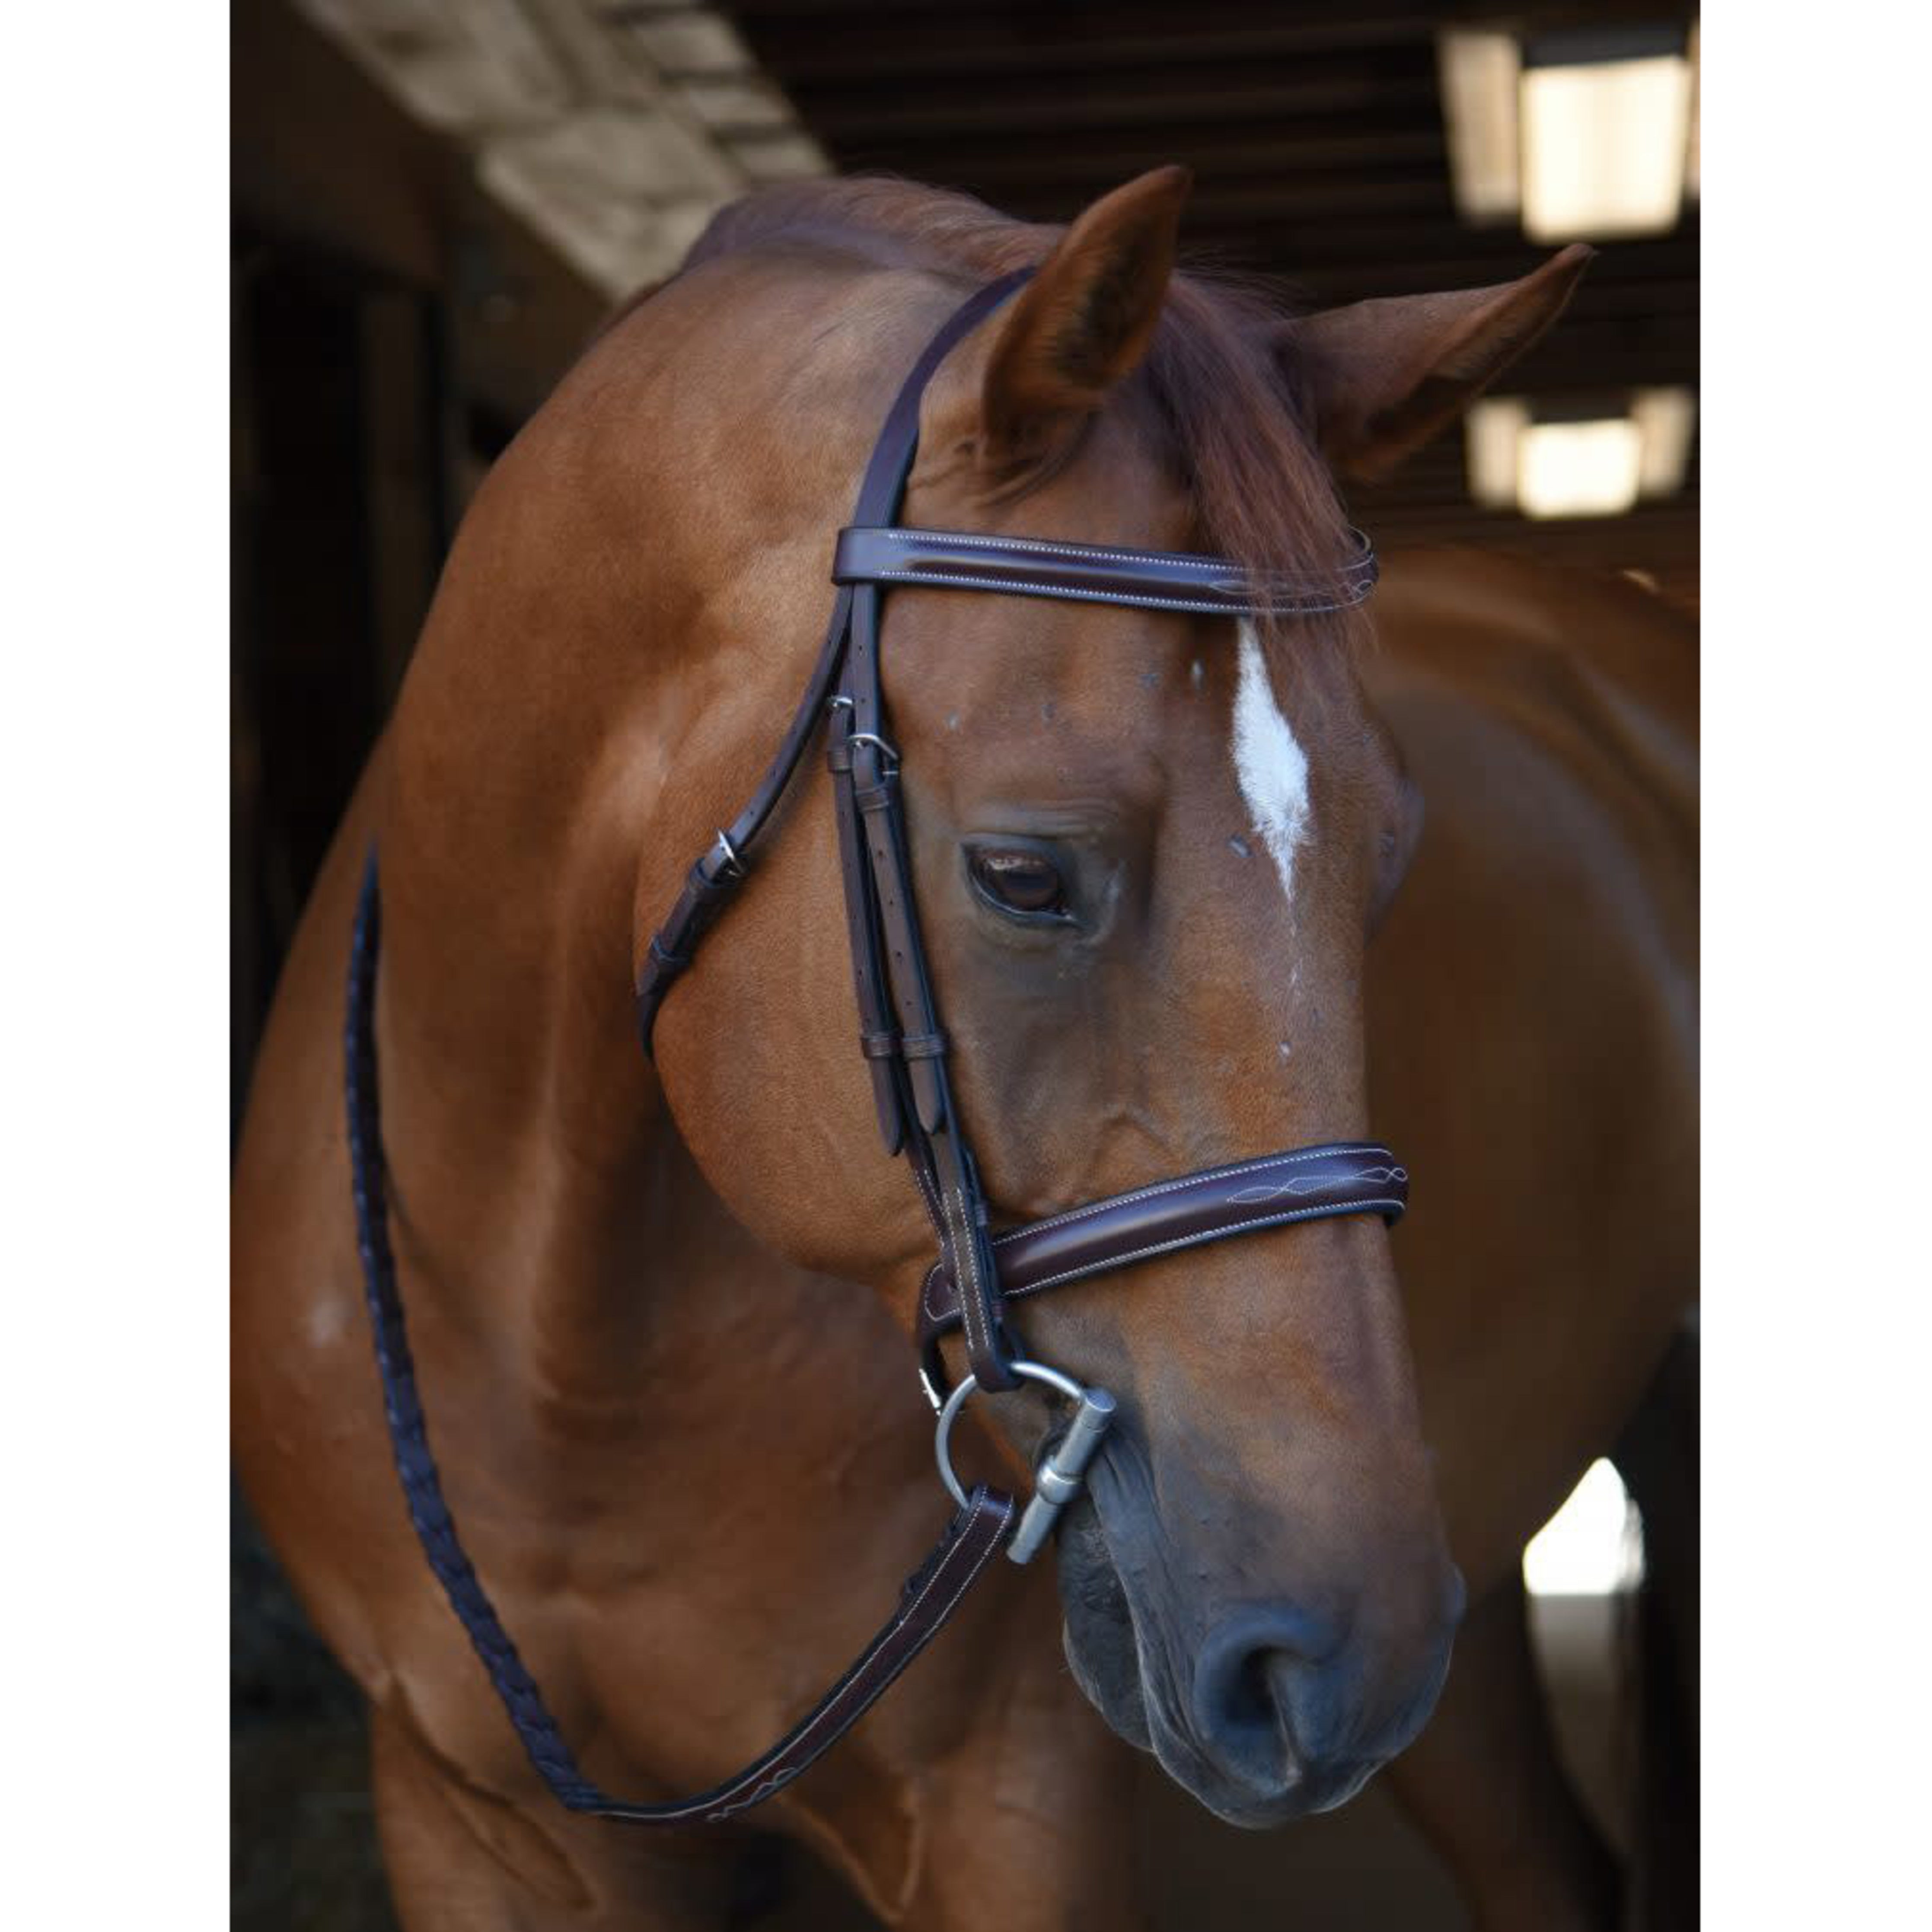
{"x": 583, "y": 707}
{"x": 546, "y": 1211}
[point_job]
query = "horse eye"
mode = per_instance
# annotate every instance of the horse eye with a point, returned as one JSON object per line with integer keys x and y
{"x": 1019, "y": 881}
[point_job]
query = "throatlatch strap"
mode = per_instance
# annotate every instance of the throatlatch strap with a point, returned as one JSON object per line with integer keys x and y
{"x": 931, "y": 1594}
{"x": 717, "y": 874}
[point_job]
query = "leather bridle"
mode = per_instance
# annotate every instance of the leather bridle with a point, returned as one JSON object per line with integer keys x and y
{"x": 977, "y": 1273}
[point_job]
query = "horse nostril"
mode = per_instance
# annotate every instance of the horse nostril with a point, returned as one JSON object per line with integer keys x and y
{"x": 1244, "y": 1679}
{"x": 1251, "y": 1704}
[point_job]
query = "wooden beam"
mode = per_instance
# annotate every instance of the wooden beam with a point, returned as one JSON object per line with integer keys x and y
{"x": 913, "y": 39}
{"x": 1337, "y": 150}
{"x": 323, "y": 157}
{"x": 1297, "y": 96}
{"x": 959, "y": 44}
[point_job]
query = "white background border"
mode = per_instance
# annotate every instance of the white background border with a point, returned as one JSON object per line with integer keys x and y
{"x": 114, "y": 589}
{"x": 113, "y": 782}
{"x": 1818, "y": 964}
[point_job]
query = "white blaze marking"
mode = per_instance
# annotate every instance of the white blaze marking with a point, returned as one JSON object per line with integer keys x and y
{"x": 1270, "y": 763}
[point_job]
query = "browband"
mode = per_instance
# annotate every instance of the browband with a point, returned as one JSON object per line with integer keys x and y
{"x": 1147, "y": 580}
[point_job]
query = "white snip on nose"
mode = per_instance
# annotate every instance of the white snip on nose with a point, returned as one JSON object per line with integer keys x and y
{"x": 1269, "y": 761}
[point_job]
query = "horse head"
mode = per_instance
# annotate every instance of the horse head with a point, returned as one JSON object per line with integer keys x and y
{"x": 1149, "y": 849}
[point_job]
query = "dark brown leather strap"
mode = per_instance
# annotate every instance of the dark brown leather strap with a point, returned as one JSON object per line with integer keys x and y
{"x": 931, "y": 1595}
{"x": 716, "y": 876}
{"x": 1149, "y": 579}
{"x": 712, "y": 881}
{"x": 906, "y": 1051}
{"x": 878, "y": 1032}
{"x": 942, "y": 1160}
{"x": 1308, "y": 1184}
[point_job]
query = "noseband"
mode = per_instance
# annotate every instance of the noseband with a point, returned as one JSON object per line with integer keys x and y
{"x": 977, "y": 1273}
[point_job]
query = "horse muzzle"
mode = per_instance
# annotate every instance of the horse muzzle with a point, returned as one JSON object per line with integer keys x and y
{"x": 1264, "y": 1711}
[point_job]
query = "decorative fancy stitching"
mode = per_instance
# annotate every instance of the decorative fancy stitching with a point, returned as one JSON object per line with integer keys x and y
{"x": 898, "y": 1624}
{"x": 1205, "y": 1234}
{"x": 1302, "y": 1183}
{"x": 1206, "y": 1177}
{"x": 825, "y": 1711}
{"x": 1260, "y": 1166}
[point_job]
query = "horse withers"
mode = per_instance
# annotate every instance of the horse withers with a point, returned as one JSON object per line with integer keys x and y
{"x": 1148, "y": 849}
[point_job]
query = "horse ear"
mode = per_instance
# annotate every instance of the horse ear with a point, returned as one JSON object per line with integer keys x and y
{"x": 1379, "y": 379}
{"x": 1082, "y": 323}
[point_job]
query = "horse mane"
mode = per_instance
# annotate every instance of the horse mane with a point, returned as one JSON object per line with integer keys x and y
{"x": 1211, "y": 387}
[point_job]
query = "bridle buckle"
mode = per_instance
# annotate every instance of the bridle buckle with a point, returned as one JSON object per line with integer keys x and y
{"x": 730, "y": 861}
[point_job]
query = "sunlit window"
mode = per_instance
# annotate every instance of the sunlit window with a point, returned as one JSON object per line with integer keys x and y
{"x": 1592, "y": 1546}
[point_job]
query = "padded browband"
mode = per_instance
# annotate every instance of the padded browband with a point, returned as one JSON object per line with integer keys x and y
{"x": 1150, "y": 580}
{"x": 1309, "y": 1184}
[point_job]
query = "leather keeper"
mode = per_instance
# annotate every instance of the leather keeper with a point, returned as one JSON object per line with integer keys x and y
{"x": 708, "y": 887}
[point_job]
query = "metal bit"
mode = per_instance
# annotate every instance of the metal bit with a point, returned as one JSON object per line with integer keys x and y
{"x": 1061, "y": 1472}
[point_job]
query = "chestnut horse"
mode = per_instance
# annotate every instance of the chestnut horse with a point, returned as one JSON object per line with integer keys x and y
{"x": 687, "y": 1453}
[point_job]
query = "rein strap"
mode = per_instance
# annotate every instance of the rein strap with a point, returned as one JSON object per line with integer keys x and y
{"x": 931, "y": 1595}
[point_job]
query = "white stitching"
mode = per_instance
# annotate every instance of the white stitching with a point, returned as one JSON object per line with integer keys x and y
{"x": 898, "y": 1623}
{"x": 955, "y": 1200}
{"x": 1148, "y": 1193}
{"x": 885, "y": 1637}
{"x": 1138, "y": 600}
{"x": 1021, "y": 585}
{"x": 932, "y": 1210}
{"x": 902, "y": 534}
{"x": 952, "y": 1240}
{"x": 1302, "y": 1183}
{"x": 1206, "y": 1234}
{"x": 1260, "y": 1166}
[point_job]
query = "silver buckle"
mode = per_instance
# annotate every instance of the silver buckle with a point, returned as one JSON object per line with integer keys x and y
{"x": 888, "y": 753}
{"x": 1063, "y": 1470}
